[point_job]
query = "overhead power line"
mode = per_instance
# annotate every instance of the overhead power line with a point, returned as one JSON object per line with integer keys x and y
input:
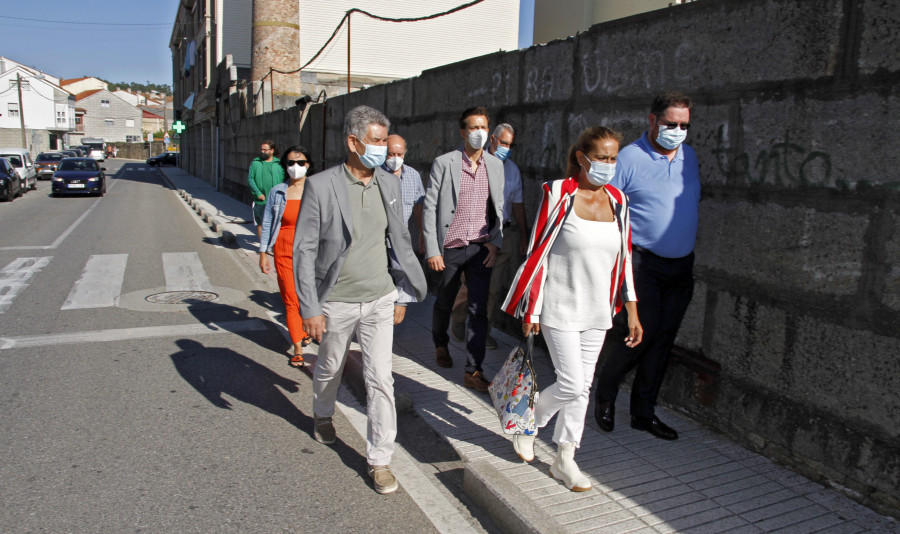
{"x": 89, "y": 23}
{"x": 376, "y": 17}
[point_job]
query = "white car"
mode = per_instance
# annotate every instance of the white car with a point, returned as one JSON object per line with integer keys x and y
{"x": 21, "y": 160}
{"x": 97, "y": 154}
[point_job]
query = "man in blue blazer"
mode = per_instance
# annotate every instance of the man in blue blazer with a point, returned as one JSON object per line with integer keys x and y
{"x": 352, "y": 255}
{"x": 463, "y": 218}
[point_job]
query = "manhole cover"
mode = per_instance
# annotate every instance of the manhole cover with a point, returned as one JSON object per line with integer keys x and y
{"x": 182, "y": 297}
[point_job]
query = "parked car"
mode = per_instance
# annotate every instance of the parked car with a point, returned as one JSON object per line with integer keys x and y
{"x": 21, "y": 160}
{"x": 10, "y": 183}
{"x": 166, "y": 158}
{"x": 46, "y": 164}
{"x": 97, "y": 154}
{"x": 79, "y": 175}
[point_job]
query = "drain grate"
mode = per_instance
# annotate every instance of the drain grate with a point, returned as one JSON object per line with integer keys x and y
{"x": 182, "y": 297}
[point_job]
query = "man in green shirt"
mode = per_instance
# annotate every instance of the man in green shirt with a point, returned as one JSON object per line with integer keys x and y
{"x": 265, "y": 173}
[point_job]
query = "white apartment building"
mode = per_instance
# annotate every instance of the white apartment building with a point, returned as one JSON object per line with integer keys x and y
{"x": 49, "y": 110}
{"x": 559, "y": 19}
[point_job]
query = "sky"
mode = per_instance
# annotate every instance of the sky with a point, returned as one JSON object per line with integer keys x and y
{"x": 115, "y": 40}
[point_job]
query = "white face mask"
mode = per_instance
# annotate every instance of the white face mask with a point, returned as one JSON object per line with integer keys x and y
{"x": 296, "y": 171}
{"x": 601, "y": 173}
{"x": 394, "y": 163}
{"x": 670, "y": 138}
{"x": 477, "y": 138}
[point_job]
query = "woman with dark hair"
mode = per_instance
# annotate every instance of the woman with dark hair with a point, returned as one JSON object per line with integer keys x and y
{"x": 277, "y": 236}
{"x": 579, "y": 257}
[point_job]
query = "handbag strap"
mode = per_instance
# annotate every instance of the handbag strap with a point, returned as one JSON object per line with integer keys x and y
{"x": 528, "y": 360}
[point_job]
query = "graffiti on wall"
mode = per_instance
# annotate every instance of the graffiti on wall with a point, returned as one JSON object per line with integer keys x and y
{"x": 782, "y": 162}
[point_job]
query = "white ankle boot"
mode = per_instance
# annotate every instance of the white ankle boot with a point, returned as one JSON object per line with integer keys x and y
{"x": 565, "y": 469}
{"x": 524, "y": 446}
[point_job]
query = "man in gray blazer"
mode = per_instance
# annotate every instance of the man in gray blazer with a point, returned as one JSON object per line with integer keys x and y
{"x": 351, "y": 251}
{"x": 463, "y": 218}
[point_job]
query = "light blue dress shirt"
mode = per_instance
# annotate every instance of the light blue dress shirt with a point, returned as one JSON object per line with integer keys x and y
{"x": 665, "y": 197}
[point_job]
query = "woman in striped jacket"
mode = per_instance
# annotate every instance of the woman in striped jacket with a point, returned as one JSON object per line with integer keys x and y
{"x": 576, "y": 277}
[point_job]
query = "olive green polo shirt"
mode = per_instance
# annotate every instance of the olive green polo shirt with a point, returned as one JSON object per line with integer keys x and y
{"x": 364, "y": 276}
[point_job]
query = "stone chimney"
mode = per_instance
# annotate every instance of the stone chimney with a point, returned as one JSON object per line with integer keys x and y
{"x": 275, "y": 45}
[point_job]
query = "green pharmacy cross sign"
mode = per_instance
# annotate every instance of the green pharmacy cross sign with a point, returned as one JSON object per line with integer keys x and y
{"x": 179, "y": 127}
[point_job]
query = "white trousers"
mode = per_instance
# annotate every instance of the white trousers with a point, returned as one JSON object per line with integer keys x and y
{"x": 373, "y": 323}
{"x": 574, "y": 356}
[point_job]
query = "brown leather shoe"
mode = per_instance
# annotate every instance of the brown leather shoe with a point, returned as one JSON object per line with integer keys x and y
{"x": 442, "y": 356}
{"x": 476, "y": 381}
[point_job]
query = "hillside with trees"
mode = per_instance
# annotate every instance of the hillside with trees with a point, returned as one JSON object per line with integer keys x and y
{"x": 141, "y": 87}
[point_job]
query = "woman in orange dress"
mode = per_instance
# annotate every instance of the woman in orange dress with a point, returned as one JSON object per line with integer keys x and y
{"x": 277, "y": 236}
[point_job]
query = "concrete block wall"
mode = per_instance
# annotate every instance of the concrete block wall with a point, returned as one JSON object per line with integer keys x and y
{"x": 797, "y": 302}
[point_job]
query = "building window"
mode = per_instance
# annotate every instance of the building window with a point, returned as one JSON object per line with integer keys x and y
{"x": 129, "y": 123}
{"x": 104, "y": 103}
{"x": 13, "y": 109}
{"x": 134, "y": 138}
{"x": 61, "y": 117}
{"x": 110, "y": 122}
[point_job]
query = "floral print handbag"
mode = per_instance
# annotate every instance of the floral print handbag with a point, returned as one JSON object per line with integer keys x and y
{"x": 514, "y": 391}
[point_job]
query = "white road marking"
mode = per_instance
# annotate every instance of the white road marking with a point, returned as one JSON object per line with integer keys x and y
{"x": 184, "y": 272}
{"x": 68, "y": 231}
{"x": 430, "y": 500}
{"x": 122, "y": 334}
{"x": 14, "y": 278}
{"x": 100, "y": 283}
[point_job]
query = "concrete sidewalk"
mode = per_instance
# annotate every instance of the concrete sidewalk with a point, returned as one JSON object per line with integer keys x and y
{"x": 700, "y": 483}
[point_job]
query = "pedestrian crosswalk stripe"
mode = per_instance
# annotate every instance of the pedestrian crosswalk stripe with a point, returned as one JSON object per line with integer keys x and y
{"x": 100, "y": 283}
{"x": 14, "y": 278}
{"x": 123, "y": 334}
{"x": 184, "y": 272}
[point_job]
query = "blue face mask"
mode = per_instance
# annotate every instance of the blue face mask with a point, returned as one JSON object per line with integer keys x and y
{"x": 374, "y": 156}
{"x": 601, "y": 173}
{"x": 670, "y": 138}
{"x": 502, "y": 152}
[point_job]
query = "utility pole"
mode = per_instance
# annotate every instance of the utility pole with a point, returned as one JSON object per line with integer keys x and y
{"x": 21, "y": 110}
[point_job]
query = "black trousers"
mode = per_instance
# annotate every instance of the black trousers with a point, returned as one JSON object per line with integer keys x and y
{"x": 664, "y": 289}
{"x": 469, "y": 260}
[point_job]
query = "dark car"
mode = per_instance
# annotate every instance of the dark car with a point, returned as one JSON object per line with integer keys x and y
{"x": 166, "y": 158}
{"x": 79, "y": 175}
{"x": 70, "y": 154}
{"x": 46, "y": 164}
{"x": 10, "y": 183}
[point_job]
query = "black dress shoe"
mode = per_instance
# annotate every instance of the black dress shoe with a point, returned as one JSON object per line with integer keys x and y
{"x": 605, "y": 414}
{"x": 654, "y": 426}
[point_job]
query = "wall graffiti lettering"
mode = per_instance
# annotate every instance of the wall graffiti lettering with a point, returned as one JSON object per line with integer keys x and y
{"x": 781, "y": 163}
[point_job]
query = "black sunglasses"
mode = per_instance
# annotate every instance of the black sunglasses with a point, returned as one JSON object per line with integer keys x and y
{"x": 297, "y": 162}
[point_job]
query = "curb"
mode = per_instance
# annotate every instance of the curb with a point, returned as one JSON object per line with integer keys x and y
{"x": 506, "y": 504}
{"x": 509, "y": 508}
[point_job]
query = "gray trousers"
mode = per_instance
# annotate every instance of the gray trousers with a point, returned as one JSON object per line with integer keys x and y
{"x": 373, "y": 324}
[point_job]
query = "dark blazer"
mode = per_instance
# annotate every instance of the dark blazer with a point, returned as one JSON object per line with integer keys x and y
{"x": 441, "y": 197}
{"x": 324, "y": 231}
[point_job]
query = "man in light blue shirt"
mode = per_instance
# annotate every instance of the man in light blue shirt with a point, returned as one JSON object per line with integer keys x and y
{"x": 661, "y": 177}
{"x": 412, "y": 189}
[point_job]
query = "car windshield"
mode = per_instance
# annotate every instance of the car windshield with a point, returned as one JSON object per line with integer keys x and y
{"x": 49, "y": 157}
{"x": 14, "y": 159}
{"x": 78, "y": 165}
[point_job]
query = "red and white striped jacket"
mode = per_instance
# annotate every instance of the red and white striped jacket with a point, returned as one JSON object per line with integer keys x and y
{"x": 526, "y": 296}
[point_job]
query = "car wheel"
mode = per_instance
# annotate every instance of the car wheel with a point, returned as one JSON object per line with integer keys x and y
{"x": 34, "y": 185}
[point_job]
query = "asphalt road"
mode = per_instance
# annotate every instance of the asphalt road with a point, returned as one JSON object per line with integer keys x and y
{"x": 122, "y": 415}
